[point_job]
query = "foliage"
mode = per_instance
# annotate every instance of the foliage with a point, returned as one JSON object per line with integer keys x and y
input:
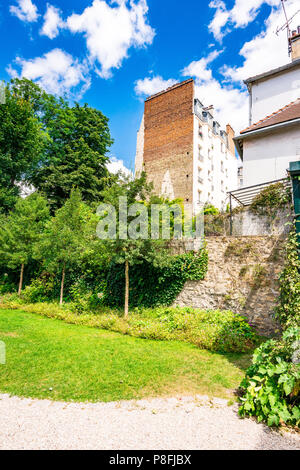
{"x": 22, "y": 142}
{"x": 215, "y": 224}
{"x": 221, "y": 331}
{"x": 210, "y": 209}
{"x": 74, "y": 154}
{"x": 136, "y": 248}
{"x": 58, "y": 361}
{"x": 153, "y": 285}
{"x": 271, "y": 199}
{"x": 66, "y": 236}
{"x": 21, "y": 230}
{"x": 40, "y": 289}
{"x": 271, "y": 388}
{"x": 288, "y": 308}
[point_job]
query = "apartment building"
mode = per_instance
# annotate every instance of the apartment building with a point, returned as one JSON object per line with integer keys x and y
{"x": 183, "y": 149}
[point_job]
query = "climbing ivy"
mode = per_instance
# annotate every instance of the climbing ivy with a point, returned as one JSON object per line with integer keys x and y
{"x": 288, "y": 308}
{"x": 271, "y": 199}
{"x": 152, "y": 286}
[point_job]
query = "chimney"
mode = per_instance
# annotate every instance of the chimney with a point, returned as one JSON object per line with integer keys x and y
{"x": 295, "y": 44}
{"x": 230, "y": 134}
{"x": 210, "y": 109}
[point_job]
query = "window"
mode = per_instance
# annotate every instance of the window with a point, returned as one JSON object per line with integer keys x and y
{"x": 199, "y": 196}
{"x": 200, "y": 131}
{"x": 200, "y": 156}
{"x": 222, "y": 167}
{"x": 200, "y": 179}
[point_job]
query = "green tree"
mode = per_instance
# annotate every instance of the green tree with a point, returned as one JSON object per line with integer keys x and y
{"x": 20, "y": 231}
{"x": 21, "y": 146}
{"x": 78, "y": 141}
{"x": 66, "y": 237}
{"x": 130, "y": 251}
{"x": 76, "y": 154}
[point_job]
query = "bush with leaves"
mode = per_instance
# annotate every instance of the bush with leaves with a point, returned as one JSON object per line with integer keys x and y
{"x": 153, "y": 285}
{"x": 221, "y": 331}
{"x": 288, "y": 308}
{"x": 271, "y": 200}
{"x": 271, "y": 388}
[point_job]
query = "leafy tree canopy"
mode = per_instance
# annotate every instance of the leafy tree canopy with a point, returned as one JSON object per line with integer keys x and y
{"x": 22, "y": 142}
{"x": 52, "y": 145}
{"x": 20, "y": 231}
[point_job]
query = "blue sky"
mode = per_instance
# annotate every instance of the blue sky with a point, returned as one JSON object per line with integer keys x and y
{"x": 112, "y": 54}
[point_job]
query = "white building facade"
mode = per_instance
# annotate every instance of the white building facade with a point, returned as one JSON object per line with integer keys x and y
{"x": 215, "y": 163}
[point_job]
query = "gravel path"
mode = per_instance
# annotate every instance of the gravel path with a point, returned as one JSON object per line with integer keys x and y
{"x": 158, "y": 424}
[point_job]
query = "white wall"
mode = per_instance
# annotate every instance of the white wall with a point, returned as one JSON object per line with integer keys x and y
{"x": 212, "y": 190}
{"x": 267, "y": 157}
{"x": 275, "y": 92}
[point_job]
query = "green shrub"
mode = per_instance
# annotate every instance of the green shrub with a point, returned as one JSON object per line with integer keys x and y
{"x": 288, "y": 308}
{"x": 152, "y": 286}
{"x": 271, "y": 388}
{"x": 221, "y": 331}
{"x": 40, "y": 290}
{"x": 271, "y": 199}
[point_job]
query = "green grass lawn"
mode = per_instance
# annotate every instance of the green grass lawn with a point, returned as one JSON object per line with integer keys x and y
{"x": 48, "y": 358}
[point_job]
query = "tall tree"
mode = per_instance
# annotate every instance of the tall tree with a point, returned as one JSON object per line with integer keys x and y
{"x": 78, "y": 141}
{"x": 76, "y": 154}
{"x": 66, "y": 237}
{"x": 21, "y": 146}
{"x": 138, "y": 246}
{"x": 21, "y": 230}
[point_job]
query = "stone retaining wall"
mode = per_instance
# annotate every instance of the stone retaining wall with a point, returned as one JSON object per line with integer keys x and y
{"x": 242, "y": 276}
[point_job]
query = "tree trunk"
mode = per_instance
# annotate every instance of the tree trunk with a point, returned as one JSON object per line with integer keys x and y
{"x": 21, "y": 279}
{"x": 62, "y": 285}
{"x": 126, "y": 288}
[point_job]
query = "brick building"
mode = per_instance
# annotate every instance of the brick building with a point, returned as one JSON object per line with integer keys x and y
{"x": 183, "y": 150}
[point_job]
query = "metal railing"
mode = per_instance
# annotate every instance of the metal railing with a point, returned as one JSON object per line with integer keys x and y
{"x": 245, "y": 196}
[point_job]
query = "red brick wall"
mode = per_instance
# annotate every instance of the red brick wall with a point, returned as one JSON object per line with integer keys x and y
{"x": 168, "y": 143}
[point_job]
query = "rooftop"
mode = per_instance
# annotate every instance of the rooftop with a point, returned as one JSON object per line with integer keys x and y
{"x": 289, "y": 112}
{"x": 177, "y": 85}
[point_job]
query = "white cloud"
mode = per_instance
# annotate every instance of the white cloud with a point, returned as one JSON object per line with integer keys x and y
{"x": 149, "y": 86}
{"x": 230, "y": 104}
{"x": 265, "y": 51}
{"x": 219, "y": 20}
{"x": 111, "y": 31}
{"x": 262, "y": 53}
{"x": 25, "y": 11}
{"x": 199, "y": 69}
{"x": 115, "y": 166}
{"x": 57, "y": 72}
{"x": 52, "y": 22}
{"x": 242, "y": 13}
